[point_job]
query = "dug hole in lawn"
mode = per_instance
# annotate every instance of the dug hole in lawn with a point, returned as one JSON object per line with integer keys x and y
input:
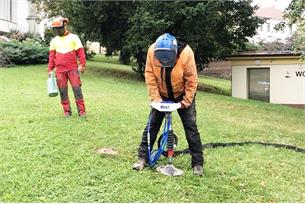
{"x": 107, "y": 151}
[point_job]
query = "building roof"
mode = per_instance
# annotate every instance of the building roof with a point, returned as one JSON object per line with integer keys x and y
{"x": 265, "y": 54}
{"x": 269, "y": 12}
{"x": 265, "y": 59}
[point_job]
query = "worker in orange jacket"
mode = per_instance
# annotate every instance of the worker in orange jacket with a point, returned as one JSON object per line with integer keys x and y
{"x": 67, "y": 55}
{"x": 171, "y": 75}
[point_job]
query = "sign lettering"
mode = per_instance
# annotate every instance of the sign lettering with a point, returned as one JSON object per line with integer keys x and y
{"x": 300, "y": 73}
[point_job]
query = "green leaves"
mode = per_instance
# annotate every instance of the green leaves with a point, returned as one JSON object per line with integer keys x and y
{"x": 295, "y": 12}
{"x": 212, "y": 28}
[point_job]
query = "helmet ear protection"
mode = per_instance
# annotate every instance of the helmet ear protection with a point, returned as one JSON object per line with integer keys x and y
{"x": 65, "y": 21}
{"x": 165, "y": 50}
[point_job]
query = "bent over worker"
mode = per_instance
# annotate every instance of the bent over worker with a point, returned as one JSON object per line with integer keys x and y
{"x": 171, "y": 75}
{"x": 66, "y": 50}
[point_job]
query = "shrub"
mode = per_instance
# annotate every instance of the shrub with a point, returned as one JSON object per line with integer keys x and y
{"x": 25, "y": 52}
{"x": 20, "y": 36}
{"x": 4, "y": 61}
{"x": 48, "y": 35}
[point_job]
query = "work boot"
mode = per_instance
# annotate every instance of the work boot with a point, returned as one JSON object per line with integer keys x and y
{"x": 67, "y": 114}
{"x": 198, "y": 170}
{"x": 139, "y": 165}
{"x": 82, "y": 115}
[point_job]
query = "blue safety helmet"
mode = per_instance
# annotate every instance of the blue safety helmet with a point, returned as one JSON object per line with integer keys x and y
{"x": 166, "y": 49}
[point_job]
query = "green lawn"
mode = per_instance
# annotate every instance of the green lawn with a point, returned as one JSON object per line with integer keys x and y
{"x": 48, "y": 158}
{"x": 215, "y": 85}
{"x": 206, "y": 83}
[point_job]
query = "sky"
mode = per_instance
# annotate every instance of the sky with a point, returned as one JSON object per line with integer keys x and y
{"x": 280, "y": 4}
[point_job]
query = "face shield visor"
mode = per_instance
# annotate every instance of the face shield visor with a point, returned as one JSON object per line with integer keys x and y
{"x": 165, "y": 51}
{"x": 60, "y": 31}
{"x": 165, "y": 58}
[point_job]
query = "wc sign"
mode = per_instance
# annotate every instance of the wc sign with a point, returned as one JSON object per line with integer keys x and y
{"x": 297, "y": 74}
{"x": 300, "y": 73}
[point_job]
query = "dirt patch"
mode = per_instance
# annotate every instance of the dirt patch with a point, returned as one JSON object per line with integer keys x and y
{"x": 107, "y": 151}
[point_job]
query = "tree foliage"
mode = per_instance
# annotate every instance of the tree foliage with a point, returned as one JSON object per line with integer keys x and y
{"x": 298, "y": 43}
{"x": 295, "y": 13}
{"x": 212, "y": 28}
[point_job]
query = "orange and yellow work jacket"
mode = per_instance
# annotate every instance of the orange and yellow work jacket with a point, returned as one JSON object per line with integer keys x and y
{"x": 64, "y": 51}
{"x": 183, "y": 77}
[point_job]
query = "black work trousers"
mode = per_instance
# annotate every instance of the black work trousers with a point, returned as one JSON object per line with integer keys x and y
{"x": 188, "y": 118}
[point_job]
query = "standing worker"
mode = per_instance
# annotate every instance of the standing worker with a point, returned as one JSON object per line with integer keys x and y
{"x": 66, "y": 50}
{"x": 171, "y": 75}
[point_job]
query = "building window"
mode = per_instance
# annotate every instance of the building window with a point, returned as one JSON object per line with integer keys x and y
{"x": 6, "y": 10}
{"x": 268, "y": 27}
{"x": 260, "y": 28}
{"x": 290, "y": 29}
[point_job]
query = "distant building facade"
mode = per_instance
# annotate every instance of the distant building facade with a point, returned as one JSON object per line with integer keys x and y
{"x": 19, "y": 15}
{"x": 267, "y": 32}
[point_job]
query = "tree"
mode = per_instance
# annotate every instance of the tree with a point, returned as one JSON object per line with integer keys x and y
{"x": 298, "y": 40}
{"x": 295, "y": 13}
{"x": 213, "y": 28}
{"x": 50, "y": 8}
{"x": 105, "y": 22}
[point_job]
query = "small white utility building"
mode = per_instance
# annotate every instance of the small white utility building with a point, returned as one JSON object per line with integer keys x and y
{"x": 277, "y": 78}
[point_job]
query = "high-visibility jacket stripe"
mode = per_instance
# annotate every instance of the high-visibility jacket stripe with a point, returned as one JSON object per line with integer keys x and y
{"x": 66, "y": 43}
{"x": 64, "y": 52}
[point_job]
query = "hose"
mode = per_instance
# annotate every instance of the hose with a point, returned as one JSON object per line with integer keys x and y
{"x": 232, "y": 144}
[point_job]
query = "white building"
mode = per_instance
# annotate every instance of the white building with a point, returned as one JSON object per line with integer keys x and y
{"x": 267, "y": 31}
{"x": 277, "y": 78}
{"x": 19, "y": 15}
{"x": 273, "y": 11}
{"x": 279, "y": 4}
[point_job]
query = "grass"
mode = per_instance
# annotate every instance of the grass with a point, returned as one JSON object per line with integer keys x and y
{"x": 102, "y": 58}
{"x": 214, "y": 85}
{"x": 48, "y": 158}
{"x": 205, "y": 83}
